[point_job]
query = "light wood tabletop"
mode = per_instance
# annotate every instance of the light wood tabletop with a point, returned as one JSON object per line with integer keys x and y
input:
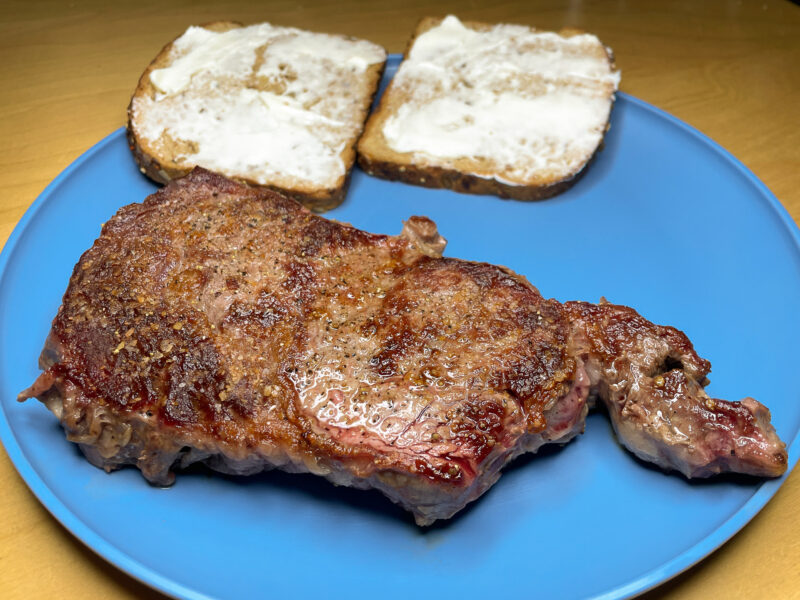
{"x": 730, "y": 69}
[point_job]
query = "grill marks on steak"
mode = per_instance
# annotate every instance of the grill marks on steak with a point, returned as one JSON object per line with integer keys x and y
{"x": 222, "y": 324}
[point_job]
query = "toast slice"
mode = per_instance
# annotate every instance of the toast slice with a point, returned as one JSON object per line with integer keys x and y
{"x": 492, "y": 109}
{"x": 269, "y": 106}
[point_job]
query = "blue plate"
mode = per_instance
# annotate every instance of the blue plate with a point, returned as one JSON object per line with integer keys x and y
{"x": 665, "y": 220}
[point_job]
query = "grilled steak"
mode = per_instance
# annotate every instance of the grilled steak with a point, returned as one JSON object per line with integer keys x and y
{"x": 228, "y": 325}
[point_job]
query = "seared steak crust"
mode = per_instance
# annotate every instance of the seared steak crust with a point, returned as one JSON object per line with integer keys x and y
{"x": 214, "y": 320}
{"x": 652, "y": 380}
{"x": 218, "y": 323}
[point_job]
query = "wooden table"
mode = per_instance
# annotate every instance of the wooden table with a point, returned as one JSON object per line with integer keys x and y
{"x": 731, "y": 69}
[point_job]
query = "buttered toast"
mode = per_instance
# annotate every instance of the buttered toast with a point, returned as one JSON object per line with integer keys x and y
{"x": 492, "y": 109}
{"x": 270, "y": 106}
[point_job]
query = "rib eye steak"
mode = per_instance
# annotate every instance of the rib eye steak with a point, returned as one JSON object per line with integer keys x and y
{"x": 228, "y": 325}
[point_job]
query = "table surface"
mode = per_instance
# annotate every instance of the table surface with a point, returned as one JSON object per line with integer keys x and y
{"x": 730, "y": 69}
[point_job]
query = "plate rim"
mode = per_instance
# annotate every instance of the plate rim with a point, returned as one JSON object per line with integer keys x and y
{"x": 152, "y": 578}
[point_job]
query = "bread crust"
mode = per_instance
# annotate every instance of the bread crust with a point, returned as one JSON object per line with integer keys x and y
{"x": 376, "y": 158}
{"x": 162, "y": 170}
{"x": 466, "y": 183}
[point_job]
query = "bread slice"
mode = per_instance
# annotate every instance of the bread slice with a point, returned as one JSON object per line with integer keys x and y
{"x": 492, "y": 109}
{"x": 270, "y": 106}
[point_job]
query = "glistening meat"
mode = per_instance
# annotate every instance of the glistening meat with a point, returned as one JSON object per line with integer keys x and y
{"x": 222, "y": 324}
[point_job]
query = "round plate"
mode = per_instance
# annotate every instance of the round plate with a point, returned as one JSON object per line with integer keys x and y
{"x": 665, "y": 221}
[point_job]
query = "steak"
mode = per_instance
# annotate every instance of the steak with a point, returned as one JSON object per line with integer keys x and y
{"x": 221, "y": 324}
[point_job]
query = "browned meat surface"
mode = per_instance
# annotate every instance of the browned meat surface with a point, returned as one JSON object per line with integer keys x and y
{"x": 222, "y": 324}
{"x": 651, "y": 380}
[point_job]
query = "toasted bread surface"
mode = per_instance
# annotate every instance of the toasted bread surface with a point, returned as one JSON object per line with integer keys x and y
{"x": 494, "y": 109}
{"x": 270, "y": 106}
